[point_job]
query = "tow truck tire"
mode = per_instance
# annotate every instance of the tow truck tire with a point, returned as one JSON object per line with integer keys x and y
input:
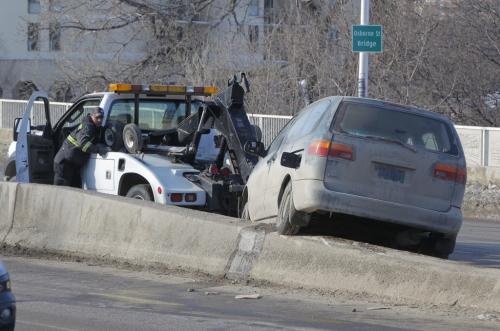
{"x": 286, "y": 214}
{"x": 113, "y": 136}
{"x": 141, "y": 192}
{"x": 132, "y": 138}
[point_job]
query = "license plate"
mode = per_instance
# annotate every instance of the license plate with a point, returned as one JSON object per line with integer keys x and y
{"x": 390, "y": 173}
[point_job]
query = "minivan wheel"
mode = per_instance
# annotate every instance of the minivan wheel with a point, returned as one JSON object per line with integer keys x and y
{"x": 140, "y": 192}
{"x": 438, "y": 246}
{"x": 286, "y": 213}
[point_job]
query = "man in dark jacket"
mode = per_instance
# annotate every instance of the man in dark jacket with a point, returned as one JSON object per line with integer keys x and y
{"x": 76, "y": 149}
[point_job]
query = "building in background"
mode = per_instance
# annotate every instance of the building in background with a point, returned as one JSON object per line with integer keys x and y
{"x": 42, "y": 43}
{"x": 33, "y": 44}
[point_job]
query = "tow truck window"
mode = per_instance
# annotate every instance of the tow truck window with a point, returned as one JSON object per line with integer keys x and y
{"x": 82, "y": 110}
{"x": 153, "y": 114}
{"x": 207, "y": 150}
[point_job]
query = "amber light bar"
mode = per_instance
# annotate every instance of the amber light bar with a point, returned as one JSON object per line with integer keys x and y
{"x": 162, "y": 89}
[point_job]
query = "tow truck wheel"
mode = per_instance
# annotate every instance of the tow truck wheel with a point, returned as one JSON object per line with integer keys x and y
{"x": 286, "y": 214}
{"x": 140, "y": 192}
{"x": 132, "y": 138}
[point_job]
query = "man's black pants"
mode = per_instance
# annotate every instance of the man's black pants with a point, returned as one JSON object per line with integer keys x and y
{"x": 67, "y": 174}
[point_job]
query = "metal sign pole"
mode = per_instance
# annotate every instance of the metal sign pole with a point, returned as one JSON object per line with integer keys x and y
{"x": 363, "y": 56}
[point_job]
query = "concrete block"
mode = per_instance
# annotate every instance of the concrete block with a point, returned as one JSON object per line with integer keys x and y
{"x": 7, "y": 203}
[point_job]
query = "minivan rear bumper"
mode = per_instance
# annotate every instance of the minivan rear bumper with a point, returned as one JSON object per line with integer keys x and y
{"x": 312, "y": 195}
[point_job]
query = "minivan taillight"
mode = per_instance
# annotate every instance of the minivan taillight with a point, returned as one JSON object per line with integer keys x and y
{"x": 450, "y": 172}
{"x": 341, "y": 151}
{"x": 325, "y": 148}
{"x": 319, "y": 148}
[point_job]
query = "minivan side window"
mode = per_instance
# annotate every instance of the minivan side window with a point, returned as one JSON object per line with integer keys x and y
{"x": 310, "y": 119}
{"x": 275, "y": 145}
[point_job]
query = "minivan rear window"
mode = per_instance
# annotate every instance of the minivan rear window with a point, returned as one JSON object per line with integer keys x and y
{"x": 390, "y": 124}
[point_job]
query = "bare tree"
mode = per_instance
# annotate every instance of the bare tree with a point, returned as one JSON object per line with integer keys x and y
{"x": 444, "y": 60}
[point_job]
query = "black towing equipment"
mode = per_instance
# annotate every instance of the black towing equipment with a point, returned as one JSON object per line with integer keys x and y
{"x": 237, "y": 140}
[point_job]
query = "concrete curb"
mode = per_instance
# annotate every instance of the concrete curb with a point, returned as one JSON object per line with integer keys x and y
{"x": 101, "y": 226}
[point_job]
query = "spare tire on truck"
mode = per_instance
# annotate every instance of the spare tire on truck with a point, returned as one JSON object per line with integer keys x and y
{"x": 113, "y": 135}
{"x": 132, "y": 138}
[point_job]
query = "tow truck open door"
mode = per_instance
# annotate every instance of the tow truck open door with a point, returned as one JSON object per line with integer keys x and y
{"x": 35, "y": 145}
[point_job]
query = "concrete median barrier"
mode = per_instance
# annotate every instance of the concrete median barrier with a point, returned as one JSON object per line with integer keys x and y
{"x": 101, "y": 226}
{"x": 7, "y": 205}
{"x": 398, "y": 277}
{"x": 74, "y": 221}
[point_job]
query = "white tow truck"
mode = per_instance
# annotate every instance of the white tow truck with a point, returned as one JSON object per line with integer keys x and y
{"x": 174, "y": 145}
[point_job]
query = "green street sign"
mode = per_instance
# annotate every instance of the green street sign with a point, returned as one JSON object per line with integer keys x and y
{"x": 367, "y": 38}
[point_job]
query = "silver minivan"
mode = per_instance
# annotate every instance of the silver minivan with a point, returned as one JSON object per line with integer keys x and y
{"x": 366, "y": 158}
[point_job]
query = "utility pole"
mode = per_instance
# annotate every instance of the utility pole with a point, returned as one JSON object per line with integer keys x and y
{"x": 363, "y": 56}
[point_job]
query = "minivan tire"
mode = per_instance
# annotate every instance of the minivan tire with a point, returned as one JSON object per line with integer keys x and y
{"x": 141, "y": 192}
{"x": 286, "y": 213}
{"x": 438, "y": 246}
{"x": 443, "y": 247}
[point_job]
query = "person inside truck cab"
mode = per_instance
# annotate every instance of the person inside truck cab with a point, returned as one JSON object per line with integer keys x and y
{"x": 76, "y": 149}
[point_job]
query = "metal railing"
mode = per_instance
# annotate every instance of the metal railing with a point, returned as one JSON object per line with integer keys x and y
{"x": 481, "y": 144}
{"x": 11, "y": 109}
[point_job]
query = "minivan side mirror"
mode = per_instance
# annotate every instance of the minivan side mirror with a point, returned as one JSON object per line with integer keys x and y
{"x": 290, "y": 160}
{"x": 255, "y": 148}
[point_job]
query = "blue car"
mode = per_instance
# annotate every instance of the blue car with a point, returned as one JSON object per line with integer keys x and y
{"x": 7, "y": 302}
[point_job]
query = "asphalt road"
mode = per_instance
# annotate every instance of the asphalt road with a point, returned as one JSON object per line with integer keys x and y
{"x": 478, "y": 244}
{"x": 68, "y": 296}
